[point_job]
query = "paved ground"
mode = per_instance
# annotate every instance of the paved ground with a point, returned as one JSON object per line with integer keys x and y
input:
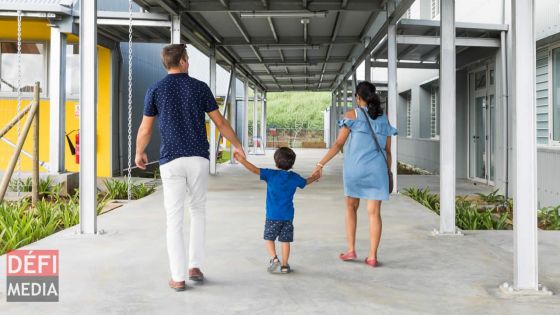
{"x": 125, "y": 271}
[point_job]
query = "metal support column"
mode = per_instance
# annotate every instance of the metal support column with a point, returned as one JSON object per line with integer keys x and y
{"x": 57, "y": 93}
{"x": 175, "y": 29}
{"x": 525, "y": 245}
{"x": 392, "y": 93}
{"x": 353, "y": 89}
{"x": 255, "y": 118}
{"x": 88, "y": 117}
{"x": 263, "y": 121}
{"x": 233, "y": 109}
{"x": 367, "y": 69}
{"x": 345, "y": 95}
{"x": 245, "y": 116}
{"x": 213, "y": 134}
{"x": 332, "y": 122}
{"x": 448, "y": 120}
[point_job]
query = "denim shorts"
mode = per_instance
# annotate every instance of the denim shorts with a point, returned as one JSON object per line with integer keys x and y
{"x": 281, "y": 229}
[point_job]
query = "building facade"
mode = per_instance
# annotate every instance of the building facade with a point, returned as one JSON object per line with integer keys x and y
{"x": 484, "y": 142}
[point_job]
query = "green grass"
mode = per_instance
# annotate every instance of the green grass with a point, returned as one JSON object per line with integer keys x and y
{"x": 223, "y": 156}
{"x": 294, "y": 109}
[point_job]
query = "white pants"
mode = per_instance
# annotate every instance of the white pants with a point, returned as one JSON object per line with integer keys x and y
{"x": 183, "y": 179}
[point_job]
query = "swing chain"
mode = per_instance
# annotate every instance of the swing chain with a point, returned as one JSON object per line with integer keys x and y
{"x": 129, "y": 177}
{"x": 19, "y": 14}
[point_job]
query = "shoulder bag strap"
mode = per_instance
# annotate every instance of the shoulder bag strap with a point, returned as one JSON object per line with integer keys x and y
{"x": 374, "y": 137}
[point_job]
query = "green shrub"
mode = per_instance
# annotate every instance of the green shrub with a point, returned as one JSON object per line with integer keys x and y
{"x": 118, "y": 189}
{"x": 469, "y": 215}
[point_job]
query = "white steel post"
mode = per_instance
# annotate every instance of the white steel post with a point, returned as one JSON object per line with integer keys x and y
{"x": 245, "y": 116}
{"x": 263, "y": 121}
{"x": 525, "y": 262}
{"x": 175, "y": 29}
{"x": 57, "y": 92}
{"x": 255, "y": 118}
{"x": 233, "y": 109}
{"x": 332, "y": 116}
{"x": 345, "y": 95}
{"x": 367, "y": 68}
{"x": 88, "y": 117}
{"x": 448, "y": 120}
{"x": 392, "y": 93}
{"x": 353, "y": 89}
{"x": 213, "y": 135}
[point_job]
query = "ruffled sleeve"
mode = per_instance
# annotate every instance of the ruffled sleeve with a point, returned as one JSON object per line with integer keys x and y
{"x": 381, "y": 126}
{"x": 349, "y": 123}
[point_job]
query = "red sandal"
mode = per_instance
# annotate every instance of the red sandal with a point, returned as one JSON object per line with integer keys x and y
{"x": 371, "y": 262}
{"x": 348, "y": 256}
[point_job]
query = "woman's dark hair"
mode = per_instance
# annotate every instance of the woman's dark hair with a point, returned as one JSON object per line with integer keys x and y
{"x": 284, "y": 158}
{"x": 366, "y": 91}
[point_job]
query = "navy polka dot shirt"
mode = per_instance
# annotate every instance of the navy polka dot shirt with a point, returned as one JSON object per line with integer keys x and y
{"x": 180, "y": 104}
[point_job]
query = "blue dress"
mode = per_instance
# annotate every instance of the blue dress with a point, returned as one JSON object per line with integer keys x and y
{"x": 364, "y": 168}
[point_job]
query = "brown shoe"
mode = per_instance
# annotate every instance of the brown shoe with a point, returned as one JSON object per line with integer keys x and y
{"x": 177, "y": 285}
{"x": 196, "y": 275}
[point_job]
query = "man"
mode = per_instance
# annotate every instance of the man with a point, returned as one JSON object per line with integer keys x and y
{"x": 179, "y": 103}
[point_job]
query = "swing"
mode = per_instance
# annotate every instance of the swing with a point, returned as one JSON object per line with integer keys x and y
{"x": 129, "y": 176}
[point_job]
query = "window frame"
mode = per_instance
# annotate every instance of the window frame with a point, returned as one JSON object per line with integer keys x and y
{"x": 408, "y": 99}
{"x": 434, "y": 125}
{"x": 45, "y": 87}
{"x": 434, "y": 9}
{"x": 551, "y": 141}
{"x": 69, "y": 96}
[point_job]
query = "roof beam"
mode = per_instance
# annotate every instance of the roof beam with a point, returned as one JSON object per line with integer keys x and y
{"x": 459, "y": 41}
{"x": 273, "y": 29}
{"x": 407, "y": 65}
{"x": 293, "y": 62}
{"x": 377, "y": 31}
{"x": 283, "y": 74}
{"x": 292, "y": 40}
{"x": 171, "y": 9}
{"x": 280, "y": 5}
{"x": 334, "y": 34}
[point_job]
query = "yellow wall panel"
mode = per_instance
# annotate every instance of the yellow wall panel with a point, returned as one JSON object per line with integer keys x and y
{"x": 38, "y": 30}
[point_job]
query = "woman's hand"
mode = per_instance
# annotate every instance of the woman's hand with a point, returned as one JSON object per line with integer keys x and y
{"x": 318, "y": 171}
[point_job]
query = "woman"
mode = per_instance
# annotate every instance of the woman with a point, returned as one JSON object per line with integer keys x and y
{"x": 364, "y": 169}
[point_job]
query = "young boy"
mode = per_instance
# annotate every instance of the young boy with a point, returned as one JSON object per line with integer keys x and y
{"x": 281, "y": 187}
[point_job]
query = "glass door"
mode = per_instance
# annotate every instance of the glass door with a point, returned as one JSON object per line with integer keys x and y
{"x": 482, "y": 125}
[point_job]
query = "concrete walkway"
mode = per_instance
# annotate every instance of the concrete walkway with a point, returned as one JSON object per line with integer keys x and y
{"x": 125, "y": 271}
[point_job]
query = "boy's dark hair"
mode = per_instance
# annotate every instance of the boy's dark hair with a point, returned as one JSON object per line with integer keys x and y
{"x": 284, "y": 158}
{"x": 171, "y": 55}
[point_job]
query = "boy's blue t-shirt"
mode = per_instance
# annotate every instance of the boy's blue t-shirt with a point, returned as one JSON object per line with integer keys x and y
{"x": 280, "y": 191}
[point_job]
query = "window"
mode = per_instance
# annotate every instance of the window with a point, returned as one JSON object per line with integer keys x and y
{"x": 555, "y": 106}
{"x": 408, "y": 117}
{"x": 72, "y": 72}
{"x": 32, "y": 67}
{"x": 434, "y": 110}
{"x": 407, "y": 14}
{"x": 435, "y": 8}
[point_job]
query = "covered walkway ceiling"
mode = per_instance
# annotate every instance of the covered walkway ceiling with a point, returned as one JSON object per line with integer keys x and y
{"x": 283, "y": 45}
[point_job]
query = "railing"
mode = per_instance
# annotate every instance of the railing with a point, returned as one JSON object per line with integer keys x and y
{"x": 32, "y": 111}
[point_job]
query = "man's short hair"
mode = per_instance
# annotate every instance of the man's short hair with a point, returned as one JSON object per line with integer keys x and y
{"x": 284, "y": 158}
{"x": 171, "y": 55}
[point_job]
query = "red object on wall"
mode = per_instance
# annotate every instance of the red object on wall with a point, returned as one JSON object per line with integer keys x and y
{"x": 77, "y": 148}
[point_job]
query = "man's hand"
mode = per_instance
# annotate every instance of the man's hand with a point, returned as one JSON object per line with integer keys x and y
{"x": 141, "y": 160}
{"x": 239, "y": 154}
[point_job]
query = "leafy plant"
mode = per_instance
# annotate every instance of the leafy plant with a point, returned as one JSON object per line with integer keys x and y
{"x": 424, "y": 197}
{"x": 24, "y": 184}
{"x": 142, "y": 190}
{"x": 118, "y": 189}
{"x": 549, "y": 218}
